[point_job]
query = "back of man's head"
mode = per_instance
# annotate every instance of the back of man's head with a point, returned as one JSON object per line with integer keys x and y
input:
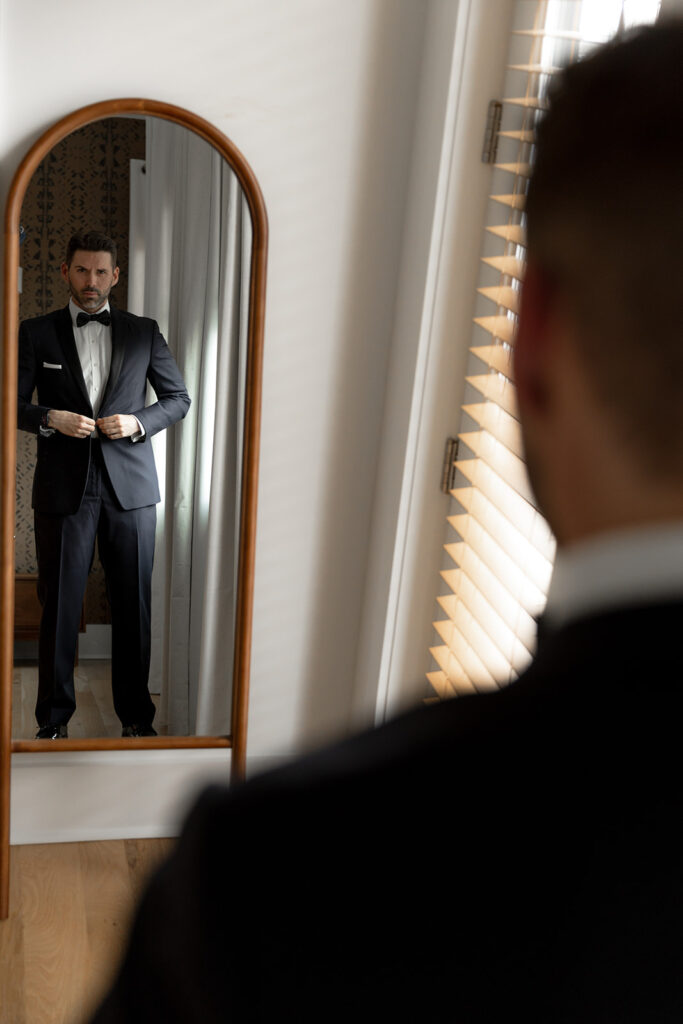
{"x": 605, "y": 224}
{"x": 90, "y": 241}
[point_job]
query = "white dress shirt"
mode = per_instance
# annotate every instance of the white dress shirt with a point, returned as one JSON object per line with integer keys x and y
{"x": 93, "y": 343}
{"x": 640, "y": 565}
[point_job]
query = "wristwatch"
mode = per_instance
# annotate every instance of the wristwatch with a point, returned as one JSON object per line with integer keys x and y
{"x": 44, "y": 430}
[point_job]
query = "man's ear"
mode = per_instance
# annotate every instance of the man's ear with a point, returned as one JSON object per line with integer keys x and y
{"x": 115, "y": 277}
{"x": 533, "y": 342}
{"x": 65, "y": 272}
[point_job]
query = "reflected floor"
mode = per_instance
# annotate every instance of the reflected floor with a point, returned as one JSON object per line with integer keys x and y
{"x": 94, "y": 714}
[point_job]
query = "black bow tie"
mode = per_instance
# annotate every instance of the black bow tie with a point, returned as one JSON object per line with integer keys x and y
{"x": 103, "y": 318}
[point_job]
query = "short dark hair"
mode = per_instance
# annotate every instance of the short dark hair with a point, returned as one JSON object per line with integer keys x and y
{"x": 605, "y": 221}
{"x": 90, "y": 241}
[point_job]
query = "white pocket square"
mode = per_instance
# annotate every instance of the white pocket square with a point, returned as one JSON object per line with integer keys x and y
{"x": 52, "y": 366}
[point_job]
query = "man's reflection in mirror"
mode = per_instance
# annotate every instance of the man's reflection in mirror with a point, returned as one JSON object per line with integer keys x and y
{"x": 95, "y": 476}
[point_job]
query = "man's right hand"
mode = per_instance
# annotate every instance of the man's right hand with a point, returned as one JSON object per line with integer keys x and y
{"x": 70, "y": 423}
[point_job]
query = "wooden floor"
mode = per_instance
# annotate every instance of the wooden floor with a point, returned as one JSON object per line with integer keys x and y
{"x": 70, "y": 908}
{"x": 94, "y": 714}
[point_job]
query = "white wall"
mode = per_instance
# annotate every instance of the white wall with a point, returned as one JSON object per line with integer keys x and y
{"x": 320, "y": 96}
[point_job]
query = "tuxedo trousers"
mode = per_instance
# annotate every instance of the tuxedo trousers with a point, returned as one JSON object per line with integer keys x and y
{"x": 65, "y": 547}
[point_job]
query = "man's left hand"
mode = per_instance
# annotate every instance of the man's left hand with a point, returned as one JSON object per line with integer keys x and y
{"x": 120, "y": 425}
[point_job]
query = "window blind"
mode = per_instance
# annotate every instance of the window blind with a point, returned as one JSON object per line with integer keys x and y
{"x": 500, "y": 551}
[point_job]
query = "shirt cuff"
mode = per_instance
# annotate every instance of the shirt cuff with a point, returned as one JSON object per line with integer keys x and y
{"x": 141, "y": 431}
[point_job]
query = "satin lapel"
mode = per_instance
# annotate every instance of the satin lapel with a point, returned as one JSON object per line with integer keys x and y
{"x": 119, "y": 337}
{"x": 65, "y": 333}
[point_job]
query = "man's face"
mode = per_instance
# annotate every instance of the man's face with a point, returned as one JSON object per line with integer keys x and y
{"x": 90, "y": 278}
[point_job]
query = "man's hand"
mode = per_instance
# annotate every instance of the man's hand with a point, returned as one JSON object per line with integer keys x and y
{"x": 70, "y": 423}
{"x": 120, "y": 425}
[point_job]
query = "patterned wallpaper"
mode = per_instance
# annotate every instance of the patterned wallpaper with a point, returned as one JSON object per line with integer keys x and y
{"x": 82, "y": 184}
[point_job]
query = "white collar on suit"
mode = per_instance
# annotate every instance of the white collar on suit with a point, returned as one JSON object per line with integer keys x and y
{"x": 631, "y": 566}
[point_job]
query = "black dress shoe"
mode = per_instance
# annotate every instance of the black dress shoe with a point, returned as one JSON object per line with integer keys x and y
{"x": 137, "y": 730}
{"x": 52, "y": 732}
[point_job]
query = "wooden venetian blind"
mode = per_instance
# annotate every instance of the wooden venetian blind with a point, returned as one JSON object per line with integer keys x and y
{"x": 500, "y": 550}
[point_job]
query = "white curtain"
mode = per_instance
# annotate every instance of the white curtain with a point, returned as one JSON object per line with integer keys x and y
{"x": 197, "y": 245}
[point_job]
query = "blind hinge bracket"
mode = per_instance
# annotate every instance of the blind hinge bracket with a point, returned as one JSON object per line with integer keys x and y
{"x": 490, "y": 150}
{"x": 448, "y": 470}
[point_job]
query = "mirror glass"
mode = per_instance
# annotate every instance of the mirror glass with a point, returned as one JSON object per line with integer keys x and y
{"x": 183, "y": 232}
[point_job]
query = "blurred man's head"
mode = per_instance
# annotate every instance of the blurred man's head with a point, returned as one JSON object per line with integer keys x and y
{"x": 599, "y": 361}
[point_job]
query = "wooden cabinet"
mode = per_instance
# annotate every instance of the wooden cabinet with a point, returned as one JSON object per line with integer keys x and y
{"x": 27, "y": 607}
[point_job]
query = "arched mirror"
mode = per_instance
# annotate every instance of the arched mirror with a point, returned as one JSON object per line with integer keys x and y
{"x": 188, "y": 218}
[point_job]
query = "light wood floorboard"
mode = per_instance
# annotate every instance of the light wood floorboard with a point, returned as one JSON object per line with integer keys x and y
{"x": 70, "y": 910}
{"x": 94, "y": 714}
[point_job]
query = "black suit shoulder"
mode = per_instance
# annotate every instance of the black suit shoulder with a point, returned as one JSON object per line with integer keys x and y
{"x": 501, "y": 855}
{"x": 36, "y": 323}
{"x": 44, "y": 317}
{"x": 133, "y": 320}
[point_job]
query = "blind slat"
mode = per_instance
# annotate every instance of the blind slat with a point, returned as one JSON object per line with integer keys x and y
{"x": 508, "y": 265}
{"x": 521, "y": 135}
{"x": 510, "y": 536}
{"x": 521, "y": 512}
{"x": 497, "y": 357}
{"x": 499, "y": 424}
{"x": 521, "y": 551}
{"x": 506, "y": 465}
{"x": 497, "y": 389}
{"x": 541, "y": 33}
{"x": 528, "y": 102}
{"x": 522, "y": 170}
{"x": 500, "y": 564}
{"x": 525, "y": 560}
{"x": 502, "y": 295}
{"x": 509, "y": 233}
{"x": 469, "y": 643}
{"x": 452, "y": 669}
{"x": 516, "y": 201}
{"x": 505, "y": 639}
{"x": 442, "y": 685}
{"x": 504, "y": 603}
{"x": 499, "y": 326}
{"x": 535, "y": 69}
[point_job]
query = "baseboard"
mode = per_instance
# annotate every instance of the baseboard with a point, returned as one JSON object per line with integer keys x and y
{"x": 95, "y": 643}
{"x": 95, "y": 795}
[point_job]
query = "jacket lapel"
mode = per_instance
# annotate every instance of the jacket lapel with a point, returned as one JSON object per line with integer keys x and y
{"x": 119, "y": 332}
{"x": 65, "y": 333}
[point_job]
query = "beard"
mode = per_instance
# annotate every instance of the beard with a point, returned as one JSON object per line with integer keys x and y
{"x": 90, "y": 299}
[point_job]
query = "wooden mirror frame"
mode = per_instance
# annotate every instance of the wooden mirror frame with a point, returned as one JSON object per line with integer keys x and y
{"x": 8, "y": 426}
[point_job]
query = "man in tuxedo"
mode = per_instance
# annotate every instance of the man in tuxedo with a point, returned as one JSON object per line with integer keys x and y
{"x": 513, "y": 855}
{"x": 95, "y": 476}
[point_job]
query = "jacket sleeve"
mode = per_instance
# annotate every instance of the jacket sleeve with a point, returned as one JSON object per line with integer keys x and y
{"x": 163, "y": 374}
{"x": 29, "y": 416}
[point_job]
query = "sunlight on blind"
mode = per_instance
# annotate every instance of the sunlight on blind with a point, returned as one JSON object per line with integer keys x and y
{"x": 500, "y": 553}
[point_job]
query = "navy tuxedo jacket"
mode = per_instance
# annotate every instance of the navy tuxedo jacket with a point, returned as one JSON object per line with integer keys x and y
{"x": 48, "y": 361}
{"x": 501, "y": 857}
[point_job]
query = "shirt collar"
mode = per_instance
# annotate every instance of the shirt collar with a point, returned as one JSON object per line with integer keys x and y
{"x": 626, "y": 567}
